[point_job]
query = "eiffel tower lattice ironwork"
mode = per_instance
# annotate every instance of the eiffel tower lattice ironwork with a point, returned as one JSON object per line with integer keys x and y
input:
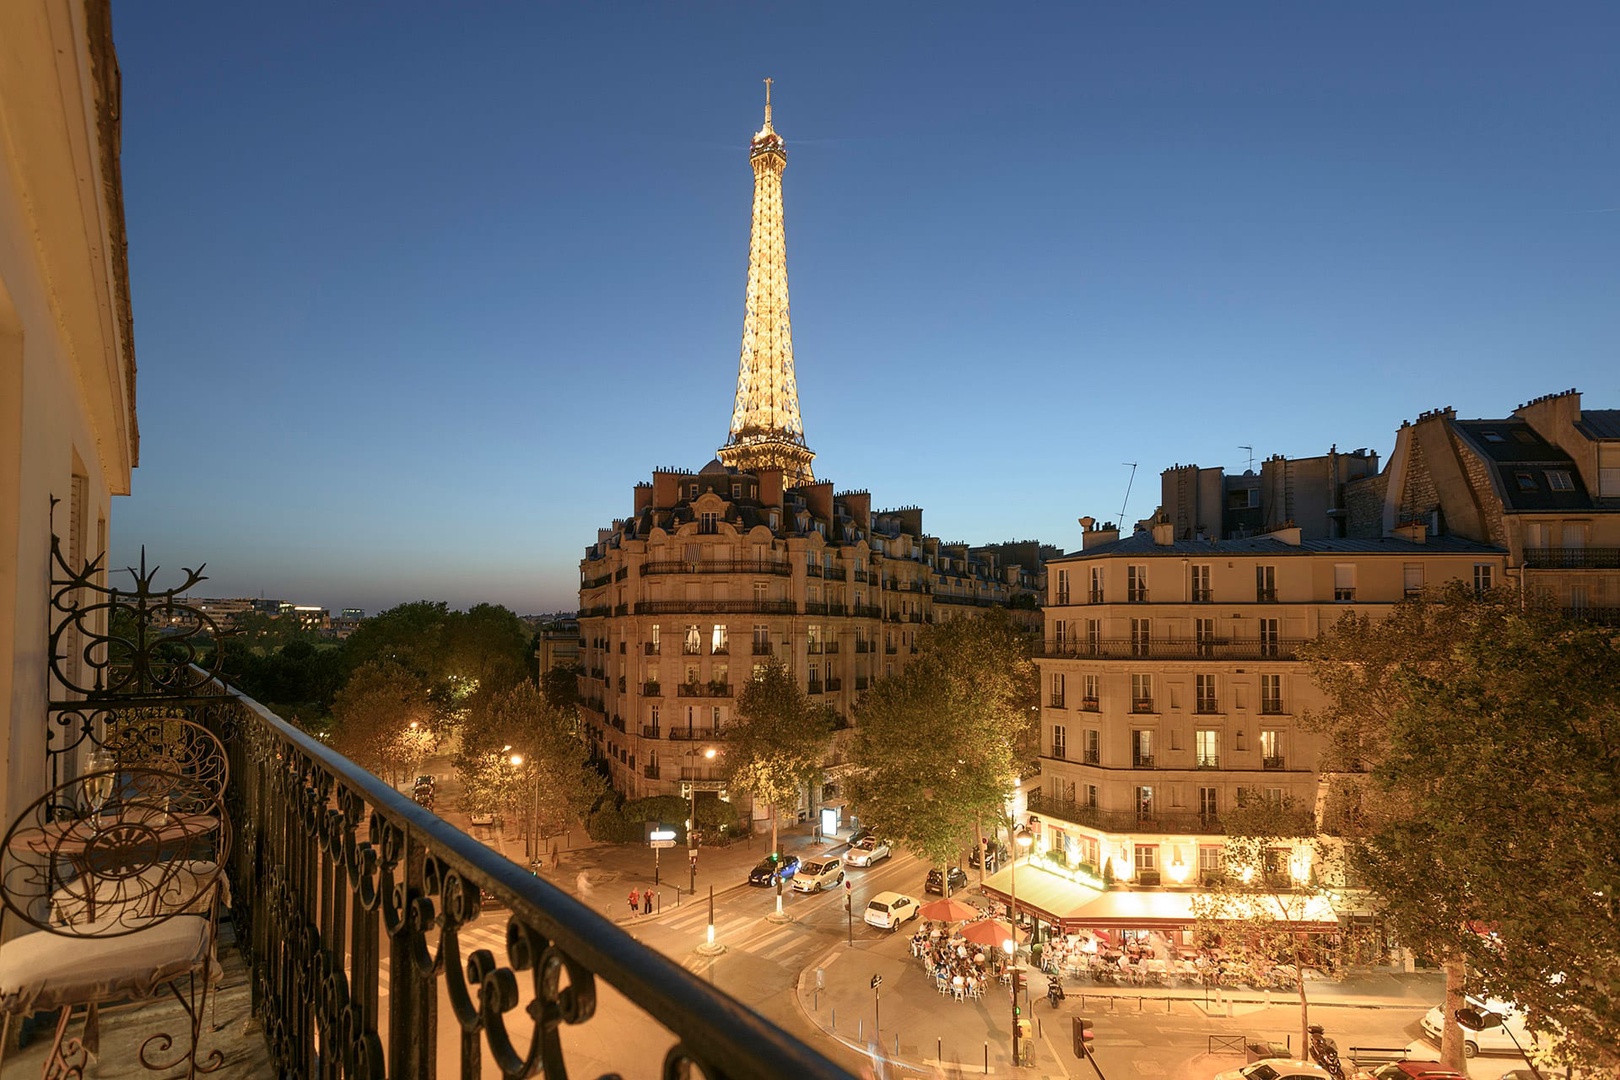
{"x": 766, "y": 431}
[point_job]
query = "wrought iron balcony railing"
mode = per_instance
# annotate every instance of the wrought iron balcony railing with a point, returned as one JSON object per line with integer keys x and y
{"x": 1159, "y": 648}
{"x": 1125, "y": 821}
{"x": 776, "y": 567}
{"x": 715, "y": 607}
{"x": 1569, "y": 558}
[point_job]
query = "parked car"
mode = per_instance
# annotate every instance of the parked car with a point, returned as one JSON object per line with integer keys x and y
{"x": 1416, "y": 1070}
{"x": 774, "y": 868}
{"x": 1277, "y": 1069}
{"x": 424, "y": 780}
{"x": 484, "y": 817}
{"x": 424, "y": 797}
{"x": 887, "y": 910}
{"x": 936, "y": 881}
{"x": 866, "y": 852}
{"x": 1504, "y": 1025}
{"x": 814, "y": 875}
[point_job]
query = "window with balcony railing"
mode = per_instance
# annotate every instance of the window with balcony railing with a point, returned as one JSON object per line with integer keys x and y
{"x": 1090, "y": 704}
{"x": 1141, "y": 705}
{"x": 1275, "y": 761}
{"x": 762, "y": 648}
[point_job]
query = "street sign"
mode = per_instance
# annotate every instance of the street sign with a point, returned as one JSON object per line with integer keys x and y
{"x": 663, "y": 843}
{"x": 877, "y": 981}
{"x": 661, "y": 837}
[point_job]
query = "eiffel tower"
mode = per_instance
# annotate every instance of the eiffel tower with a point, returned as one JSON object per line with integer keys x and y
{"x": 766, "y": 432}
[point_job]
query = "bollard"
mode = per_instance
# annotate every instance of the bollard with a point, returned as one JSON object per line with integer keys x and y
{"x": 939, "y": 1050}
{"x": 860, "y": 1030}
{"x": 897, "y": 1045}
{"x": 987, "y": 1059}
{"x": 835, "y": 1021}
{"x": 1139, "y": 1005}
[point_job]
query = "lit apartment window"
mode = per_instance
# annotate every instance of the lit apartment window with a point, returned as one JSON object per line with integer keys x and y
{"x": 719, "y": 644}
{"x": 1091, "y": 797}
{"x": 1090, "y": 697}
{"x": 1210, "y": 858}
{"x": 1344, "y": 582}
{"x": 1271, "y": 700}
{"x": 1060, "y": 742}
{"x": 652, "y": 711}
{"x": 1057, "y": 690}
{"x": 694, "y": 641}
{"x": 1201, "y": 592}
{"x": 1270, "y": 639}
{"x": 1144, "y": 803}
{"x": 1136, "y": 584}
{"x": 1484, "y": 578}
{"x": 1271, "y": 749}
{"x": 1147, "y": 857}
{"x": 1141, "y": 749}
{"x": 1207, "y": 806}
{"x": 653, "y": 645}
{"x": 1141, "y": 637}
{"x": 812, "y": 639}
{"x": 1207, "y": 748}
{"x": 1097, "y": 585}
{"x": 1093, "y": 746}
{"x": 1141, "y": 693}
{"x": 1412, "y": 579}
{"x": 1265, "y": 584}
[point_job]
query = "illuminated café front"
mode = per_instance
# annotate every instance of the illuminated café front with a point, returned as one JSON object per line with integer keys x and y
{"x": 1153, "y": 888}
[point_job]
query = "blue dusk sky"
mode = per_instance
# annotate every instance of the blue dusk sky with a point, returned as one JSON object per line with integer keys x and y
{"x": 421, "y": 291}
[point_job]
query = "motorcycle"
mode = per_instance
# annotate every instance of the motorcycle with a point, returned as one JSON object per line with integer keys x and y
{"x": 1325, "y": 1051}
{"x": 1054, "y": 992}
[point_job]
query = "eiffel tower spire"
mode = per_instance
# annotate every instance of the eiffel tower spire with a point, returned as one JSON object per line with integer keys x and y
{"x": 766, "y": 431}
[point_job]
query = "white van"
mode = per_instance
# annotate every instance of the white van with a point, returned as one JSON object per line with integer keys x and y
{"x": 1494, "y": 1038}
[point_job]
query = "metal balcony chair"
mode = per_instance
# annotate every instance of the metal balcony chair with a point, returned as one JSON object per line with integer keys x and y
{"x": 123, "y": 897}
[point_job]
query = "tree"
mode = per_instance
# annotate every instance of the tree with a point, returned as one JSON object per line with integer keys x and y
{"x": 1269, "y": 905}
{"x": 381, "y": 720}
{"x": 561, "y": 685}
{"x": 1484, "y": 817}
{"x": 942, "y": 743}
{"x": 523, "y": 757}
{"x": 778, "y": 741}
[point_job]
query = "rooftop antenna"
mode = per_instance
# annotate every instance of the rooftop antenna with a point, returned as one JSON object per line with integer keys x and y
{"x": 1128, "y": 484}
{"x": 1250, "y": 449}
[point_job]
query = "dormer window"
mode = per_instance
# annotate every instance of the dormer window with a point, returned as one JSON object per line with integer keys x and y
{"x": 1492, "y": 436}
{"x": 1526, "y": 437}
{"x": 1527, "y": 481}
{"x": 694, "y": 492}
{"x": 1560, "y": 480}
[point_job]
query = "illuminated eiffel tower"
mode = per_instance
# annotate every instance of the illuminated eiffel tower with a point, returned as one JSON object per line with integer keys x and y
{"x": 766, "y": 431}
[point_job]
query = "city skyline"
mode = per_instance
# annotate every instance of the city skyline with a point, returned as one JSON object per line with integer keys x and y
{"x": 417, "y": 300}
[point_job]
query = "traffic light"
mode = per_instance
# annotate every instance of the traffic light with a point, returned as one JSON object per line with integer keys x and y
{"x": 1017, "y": 988}
{"x": 1082, "y": 1036}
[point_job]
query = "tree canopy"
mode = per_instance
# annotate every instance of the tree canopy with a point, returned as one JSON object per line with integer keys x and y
{"x": 381, "y": 720}
{"x": 941, "y": 743}
{"x": 778, "y": 741}
{"x": 1481, "y": 749}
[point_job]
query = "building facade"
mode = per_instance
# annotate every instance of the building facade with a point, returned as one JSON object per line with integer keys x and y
{"x": 1172, "y": 685}
{"x": 1542, "y": 483}
{"x": 68, "y": 433}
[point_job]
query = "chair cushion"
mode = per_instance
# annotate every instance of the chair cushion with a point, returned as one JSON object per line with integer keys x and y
{"x": 43, "y": 970}
{"x": 183, "y": 886}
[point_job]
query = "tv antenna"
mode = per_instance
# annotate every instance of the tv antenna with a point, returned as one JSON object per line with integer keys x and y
{"x": 1128, "y": 484}
{"x": 1250, "y": 449}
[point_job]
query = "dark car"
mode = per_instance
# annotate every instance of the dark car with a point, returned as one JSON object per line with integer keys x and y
{"x": 996, "y": 852}
{"x": 936, "y": 881}
{"x": 860, "y": 834}
{"x": 774, "y": 868}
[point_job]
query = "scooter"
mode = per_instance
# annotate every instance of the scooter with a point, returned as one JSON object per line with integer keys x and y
{"x": 1054, "y": 992}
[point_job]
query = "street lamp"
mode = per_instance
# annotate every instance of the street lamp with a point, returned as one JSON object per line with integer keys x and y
{"x": 1021, "y": 841}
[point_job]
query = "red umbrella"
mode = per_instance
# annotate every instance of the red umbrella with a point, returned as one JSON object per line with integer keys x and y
{"x": 948, "y": 911}
{"x": 991, "y": 932}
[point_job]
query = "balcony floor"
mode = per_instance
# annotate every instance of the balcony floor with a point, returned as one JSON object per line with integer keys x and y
{"x": 228, "y": 1026}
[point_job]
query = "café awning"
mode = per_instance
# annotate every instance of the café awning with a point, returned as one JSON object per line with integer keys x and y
{"x": 1073, "y": 906}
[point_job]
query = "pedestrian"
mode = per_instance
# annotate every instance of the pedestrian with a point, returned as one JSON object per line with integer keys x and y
{"x": 647, "y": 902}
{"x": 582, "y": 884}
{"x": 635, "y": 900}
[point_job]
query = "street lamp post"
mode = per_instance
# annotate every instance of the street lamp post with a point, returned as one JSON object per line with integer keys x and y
{"x": 1021, "y": 840}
